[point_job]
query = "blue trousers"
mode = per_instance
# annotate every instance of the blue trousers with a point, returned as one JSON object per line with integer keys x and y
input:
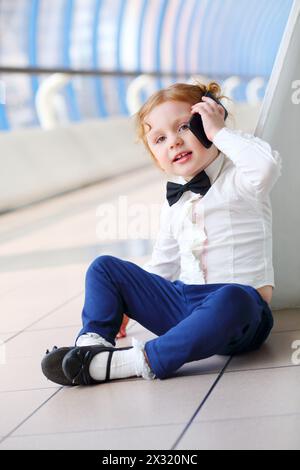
{"x": 191, "y": 321}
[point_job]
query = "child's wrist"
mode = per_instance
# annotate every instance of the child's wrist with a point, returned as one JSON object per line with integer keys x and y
{"x": 215, "y": 132}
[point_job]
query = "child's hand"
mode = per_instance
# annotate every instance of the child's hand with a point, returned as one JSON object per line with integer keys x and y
{"x": 122, "y": 333}
{"x": 212, "y": 115}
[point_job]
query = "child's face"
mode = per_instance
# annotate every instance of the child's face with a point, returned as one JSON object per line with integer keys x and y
{"x": 169, "y": 135}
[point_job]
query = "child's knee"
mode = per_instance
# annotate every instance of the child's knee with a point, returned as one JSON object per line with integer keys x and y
{"x": 238, "y": 305}
{"x": 235, "y": 294}
{"x": 102, "y": 262}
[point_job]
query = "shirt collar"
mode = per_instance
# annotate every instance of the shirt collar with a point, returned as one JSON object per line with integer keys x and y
{"x": 212, "y": 170}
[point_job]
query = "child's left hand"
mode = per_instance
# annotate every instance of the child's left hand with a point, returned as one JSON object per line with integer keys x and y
{"x": 122, "y": 333}
{"x": 212, "y": 115}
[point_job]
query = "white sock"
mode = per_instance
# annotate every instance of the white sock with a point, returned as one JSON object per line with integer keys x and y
{"x": 127, "y": 363}
{"x": 91, "y": 339}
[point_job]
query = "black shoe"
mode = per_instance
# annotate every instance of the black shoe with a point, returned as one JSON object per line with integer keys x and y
{"x": 52, "y": 365}
{"x": 76, "y": 363}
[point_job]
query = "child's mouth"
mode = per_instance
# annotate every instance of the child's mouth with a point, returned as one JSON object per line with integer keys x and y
{"x": 184, "y": 159}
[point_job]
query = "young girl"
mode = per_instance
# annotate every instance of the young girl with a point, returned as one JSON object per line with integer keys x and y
{"x": 209, "y": 283}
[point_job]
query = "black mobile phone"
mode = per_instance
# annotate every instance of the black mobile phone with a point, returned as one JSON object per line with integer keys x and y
{"x": 196, "y": 125}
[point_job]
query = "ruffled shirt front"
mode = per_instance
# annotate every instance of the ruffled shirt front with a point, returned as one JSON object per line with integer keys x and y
{"x": 226, "y": 235}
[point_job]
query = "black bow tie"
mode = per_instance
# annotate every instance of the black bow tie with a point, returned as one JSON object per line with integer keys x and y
{"x": 199, "y": 184}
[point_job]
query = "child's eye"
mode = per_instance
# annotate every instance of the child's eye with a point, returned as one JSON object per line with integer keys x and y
{"x": 184, "y": 126}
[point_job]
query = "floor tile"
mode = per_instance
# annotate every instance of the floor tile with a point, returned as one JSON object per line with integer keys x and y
{"x": 33, "y": 344}
{"x": 286, "y": 320}
{"x": 66, "y": 315}
{"x": 38, "y": 297}
{"x": 253, "y": 393}
{"x": 115, "y": 404}
{"x": 135, "y": 438}
{"x": 17, "y": 406}
{"x": 23, "y": 373}
{"x": 262, "y": 433}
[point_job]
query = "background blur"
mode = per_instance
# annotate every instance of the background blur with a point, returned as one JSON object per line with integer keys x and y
{"x": 212, "y": 38}
{"x": 74, "y": 72}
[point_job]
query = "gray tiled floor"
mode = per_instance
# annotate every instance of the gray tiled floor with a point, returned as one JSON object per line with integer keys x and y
{"x": 45, "y": 250}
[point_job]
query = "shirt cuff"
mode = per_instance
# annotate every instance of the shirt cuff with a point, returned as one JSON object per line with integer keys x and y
{"x": 233, "y": 142}
{"x": 219, "y": 136}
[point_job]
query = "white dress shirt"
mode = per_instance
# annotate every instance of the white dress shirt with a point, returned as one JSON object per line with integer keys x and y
{"x": 226, "y": 235}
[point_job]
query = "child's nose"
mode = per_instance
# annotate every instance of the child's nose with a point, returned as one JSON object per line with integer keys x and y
{"x": 177, "y": 140}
